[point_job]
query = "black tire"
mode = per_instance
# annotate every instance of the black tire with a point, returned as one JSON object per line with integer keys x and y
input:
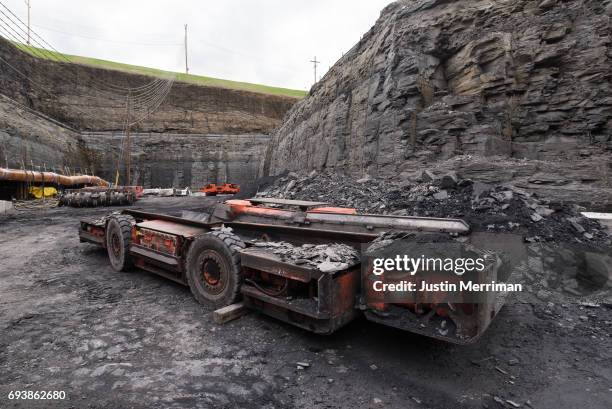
{"x": 213, "y": 268}
{"x": 118, "y": 238}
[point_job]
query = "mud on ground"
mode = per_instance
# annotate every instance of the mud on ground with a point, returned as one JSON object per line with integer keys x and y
{"x": 69, "y": 322}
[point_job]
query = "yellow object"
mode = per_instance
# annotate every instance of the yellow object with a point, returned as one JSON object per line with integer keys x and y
{"x": 37, "y": 192}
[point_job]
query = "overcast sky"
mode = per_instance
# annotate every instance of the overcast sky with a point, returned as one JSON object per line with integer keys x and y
{"x": 262, "y": 41}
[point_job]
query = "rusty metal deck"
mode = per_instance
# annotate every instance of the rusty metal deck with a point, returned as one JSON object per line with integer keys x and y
{"x": 177, "y": 229}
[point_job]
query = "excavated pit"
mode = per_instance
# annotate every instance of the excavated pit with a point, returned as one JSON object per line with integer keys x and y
{"x": 512, "y": 96}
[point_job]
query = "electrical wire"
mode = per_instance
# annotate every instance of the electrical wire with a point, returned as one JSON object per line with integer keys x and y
{"x": 145, "y": 104}
{"x": 145, "y": 113}
{"x": 268, "y": 292}
{"x": 145, "y": 98}
{"x": 38, "y": 52}
{"x": 36, "y": 35}
{"x": 111, "y": 41}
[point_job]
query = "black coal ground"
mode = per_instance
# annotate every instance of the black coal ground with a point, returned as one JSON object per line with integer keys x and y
{"x": 69, "y": 322}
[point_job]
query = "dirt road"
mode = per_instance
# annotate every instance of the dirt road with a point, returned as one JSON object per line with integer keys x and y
{"x": 69, "y": 323}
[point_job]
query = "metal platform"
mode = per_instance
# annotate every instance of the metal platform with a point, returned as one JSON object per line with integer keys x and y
{"x": 326, "y": 305}
{"x": 176, "y": 229}
{"x": 302, "y": 204}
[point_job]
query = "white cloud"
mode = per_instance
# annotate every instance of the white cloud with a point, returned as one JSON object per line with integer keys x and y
{"x": 262, "y": 41}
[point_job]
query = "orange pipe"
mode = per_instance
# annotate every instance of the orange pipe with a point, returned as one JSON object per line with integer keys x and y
{"x": 246, "y": 207}
{"x": 15, "y": 175}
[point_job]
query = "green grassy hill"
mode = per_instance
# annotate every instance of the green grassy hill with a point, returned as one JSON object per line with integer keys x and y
{"x": 194, "y": 79}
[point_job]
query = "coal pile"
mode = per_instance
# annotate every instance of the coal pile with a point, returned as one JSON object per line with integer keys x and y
{"x": 552, "y": 273}
{"x": 324, "y": 257}
{"x": 486, "y": 208}
{"x": 366, "y": 195}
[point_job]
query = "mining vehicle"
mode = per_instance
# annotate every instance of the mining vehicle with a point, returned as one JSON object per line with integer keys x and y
{"x": 224, "y": 189}
{"x": 216, "y": 256}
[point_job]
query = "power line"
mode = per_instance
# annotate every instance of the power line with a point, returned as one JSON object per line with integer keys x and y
{"x": 87, "y": 28}
{"x": 152, "y": 44}
{"x": 29, "y": 20}
{"x": 286, "y": 68}
{"x": 43, "y": 88}
{"x": 38, "y": 51}
{"x": 109, "y": 40}
{"x": 146, "y": 98}
{"x": 115, "y": 88}
{"x": 142, "y": 101}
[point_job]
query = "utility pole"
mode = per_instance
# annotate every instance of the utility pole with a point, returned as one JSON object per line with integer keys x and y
{"x": 315, "y": 62}
{"x": 186, "y": 63}
{"x": 128, "y": 145}
{"x": 28, "y": 4}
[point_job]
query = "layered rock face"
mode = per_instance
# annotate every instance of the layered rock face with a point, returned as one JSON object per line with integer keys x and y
{"x": 32, "y": 141}
{"x": 500, "y": 91}
{"x": 190, "y": 160}
{"x": 92, "y": 99}
{"x": 57, "y": 114}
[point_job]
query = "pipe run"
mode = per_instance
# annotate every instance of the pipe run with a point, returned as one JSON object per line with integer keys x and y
{"x": 15, "y": 175}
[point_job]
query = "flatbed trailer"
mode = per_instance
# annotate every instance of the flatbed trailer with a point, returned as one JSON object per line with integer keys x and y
{"x": 217, "y": 258}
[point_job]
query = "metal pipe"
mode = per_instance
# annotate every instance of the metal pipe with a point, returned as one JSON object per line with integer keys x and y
{"x": 429, "y": 224}
{"x": 338, "y": 217}
{"x": 15, "y": 175}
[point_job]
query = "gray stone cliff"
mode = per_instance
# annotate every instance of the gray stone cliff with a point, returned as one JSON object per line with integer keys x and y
{"x": 498, "y": 90}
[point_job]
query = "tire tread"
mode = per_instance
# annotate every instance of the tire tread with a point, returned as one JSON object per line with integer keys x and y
{"x": 233, "y": 244}
{"x": 125, "y": 223}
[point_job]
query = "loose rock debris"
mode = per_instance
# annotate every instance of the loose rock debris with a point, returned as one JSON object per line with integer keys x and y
{"x": 485, "y": 207}
{"x": 324, "y": 257}
{"x": 566, "y": 253}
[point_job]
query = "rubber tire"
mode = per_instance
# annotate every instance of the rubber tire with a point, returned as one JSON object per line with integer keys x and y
{"x": 227, "y": 247}
{"x": 120, "y": 225}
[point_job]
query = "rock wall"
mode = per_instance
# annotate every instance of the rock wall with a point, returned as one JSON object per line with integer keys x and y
{"x": 501, "y": 90}
{"x": 57, "y": 114}
{"x": 89, "y": 98}
{"x": 32, "y": 141}
{"x": 190, "y": 160}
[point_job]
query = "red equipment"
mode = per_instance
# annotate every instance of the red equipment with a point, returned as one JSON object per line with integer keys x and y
{"x": 217, "y": 258}
{"x": 224, "y": 189}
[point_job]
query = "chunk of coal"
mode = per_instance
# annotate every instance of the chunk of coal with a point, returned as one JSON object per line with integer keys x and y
{"x": 428, "y": 176}
{"x": 326, "y": 258}
{"x": 449, "y": 181}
